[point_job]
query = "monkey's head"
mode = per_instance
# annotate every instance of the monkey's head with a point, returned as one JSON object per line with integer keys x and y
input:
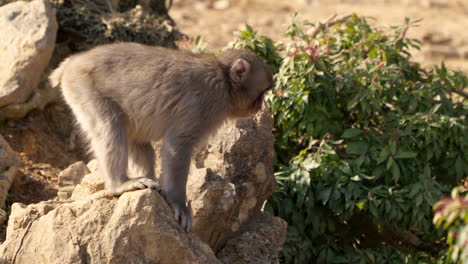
{"x": 250, "y": 78}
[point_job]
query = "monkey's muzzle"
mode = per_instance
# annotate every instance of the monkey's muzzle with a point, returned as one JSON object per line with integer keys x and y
{"x": 256, "y": 105}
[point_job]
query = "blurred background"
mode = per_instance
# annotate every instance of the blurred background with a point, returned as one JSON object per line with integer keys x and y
{"x": 371, "y": 149}
{"x": 442, "y": 27}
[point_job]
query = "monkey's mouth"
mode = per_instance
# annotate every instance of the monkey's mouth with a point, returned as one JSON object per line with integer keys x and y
{"x": 256, "y": 105}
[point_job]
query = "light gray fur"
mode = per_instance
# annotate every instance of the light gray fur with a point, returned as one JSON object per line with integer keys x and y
{"x": 126, "y": 95}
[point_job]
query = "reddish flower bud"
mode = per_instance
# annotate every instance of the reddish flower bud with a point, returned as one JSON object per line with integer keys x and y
{"x": 280, "y": 93}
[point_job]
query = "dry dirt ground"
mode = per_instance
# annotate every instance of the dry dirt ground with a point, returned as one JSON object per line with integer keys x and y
{"x": 42, "y": 143}
{"x": 442, "y": 29}
{"x": 42, "y": 139}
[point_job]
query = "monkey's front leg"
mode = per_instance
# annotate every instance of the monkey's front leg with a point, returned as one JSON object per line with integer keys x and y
{"x": 176, "y": 154}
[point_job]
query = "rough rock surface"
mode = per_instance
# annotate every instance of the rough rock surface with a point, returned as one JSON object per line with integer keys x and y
{"x": 28, "y": 31}
{"x": 229, "y": 181}
{"x": 258, "y": 244}
{"x": 9, "y": 163}
{"x": 42, "y": 96}
{"x": 137, "y": 227}
{"x": 69, "y": 178}
{"x": 91, "y": 183}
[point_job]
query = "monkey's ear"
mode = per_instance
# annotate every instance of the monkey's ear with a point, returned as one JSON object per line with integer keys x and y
{"x": 239, "y": 71}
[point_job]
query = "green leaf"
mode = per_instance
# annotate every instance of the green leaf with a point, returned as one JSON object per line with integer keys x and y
{"x": 356, "y": 178}
{"x": 367, "y": 177}
{"x": 357, "y": 148}
{"x": 361, "y": 205}
{"x": 370, "y": 256}
{"x": 459, "y": 167}
{"x": 395, "y": 172}
{"x": 414, "y": 190}
{"x": 249, "y": 28}
{"x": 324, "y": 195}
{"x": 360, "y": 160}
{"x": 288, "y": 206}
{"x": 311, "y": 163}
{"x": 435, "y": 108}
{"x": 405, "y": 155}
{"x": 419, "y": 200}
{"x": 389, "y": 163}
{"x": 373, "y": 210}
{"x": 268, "y": 208}
{"x": 393, "y": 147}
{"x": 351, "y": 132}
{"x": 427, "y": 171}
{"x": 383, "y": 155}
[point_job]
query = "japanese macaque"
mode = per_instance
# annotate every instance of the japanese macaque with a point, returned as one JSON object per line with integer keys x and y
{"x": 126, "y": 95}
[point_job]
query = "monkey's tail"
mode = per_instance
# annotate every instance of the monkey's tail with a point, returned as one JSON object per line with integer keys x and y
{"x": 55, "y": 77}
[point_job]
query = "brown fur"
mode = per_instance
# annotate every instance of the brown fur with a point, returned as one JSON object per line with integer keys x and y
{"x": 126, "y": 95}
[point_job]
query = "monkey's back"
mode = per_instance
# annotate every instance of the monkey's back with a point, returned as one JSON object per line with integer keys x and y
{"x": 152, "y": 85}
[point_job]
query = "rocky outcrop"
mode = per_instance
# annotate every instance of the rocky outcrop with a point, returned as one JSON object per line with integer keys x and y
{"x": 258, "y": 244}
{"x": 9, "y": 163}
{"x": 231, "y": 178}
{"x": 69, "y": 178}
{"x": 229, "y": 182}
{"x": 137, "y": 227}
{"x": 28, "y": 31}
{"x": 44, "y": 94}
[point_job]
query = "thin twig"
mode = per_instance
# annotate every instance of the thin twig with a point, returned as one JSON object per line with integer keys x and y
{"x": 109, "y": 5}
{"x": 462, "y": 93}
{"x": 169, "y": 6}
{"x": 329, "y": 23}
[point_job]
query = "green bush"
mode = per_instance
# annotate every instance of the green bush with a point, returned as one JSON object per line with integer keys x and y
{"x": 366, "y": 142}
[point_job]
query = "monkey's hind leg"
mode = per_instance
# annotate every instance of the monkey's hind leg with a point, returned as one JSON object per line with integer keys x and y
{"x": 141, "y": 168}
{"x": 112, "y": 151}
{"x": 103, "y": 122}
{"x": 141, "y": 159}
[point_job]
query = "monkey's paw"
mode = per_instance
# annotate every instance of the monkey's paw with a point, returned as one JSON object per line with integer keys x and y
{"x": 182, "y": 215}
{"x": 136, "y": 184}
{"x": 144, "y": 183}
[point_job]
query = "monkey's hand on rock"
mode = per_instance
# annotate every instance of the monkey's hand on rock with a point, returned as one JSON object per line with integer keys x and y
{"x": 136, "y": 184}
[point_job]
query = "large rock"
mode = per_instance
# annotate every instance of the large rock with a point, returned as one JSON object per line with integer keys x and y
{"x": 42, "y": 96}
{"x": 9, "y": 163}
{"x": 229, "y": 181}
{"x": 137, "y": 227}
{"x": 258, "y": 244}
{"x": 69, "y": 178}
{"x": 28, "y": 31}
{"x": 92, "y": 183}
